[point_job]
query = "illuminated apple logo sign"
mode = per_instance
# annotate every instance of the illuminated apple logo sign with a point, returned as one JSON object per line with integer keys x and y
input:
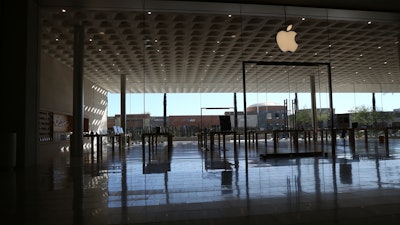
{"x": 286, "y": 40}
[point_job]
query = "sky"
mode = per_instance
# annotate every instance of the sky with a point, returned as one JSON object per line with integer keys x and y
{"x": 196, "y": 103}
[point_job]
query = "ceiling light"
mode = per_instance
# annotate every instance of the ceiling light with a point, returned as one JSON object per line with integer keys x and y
{"x": 99, "y": 49}
{"x": 57, "y": 39}
{"x": 63, "y": 10}
{"x": 369, "y": 22}
{"x": 90, "y": 40}
{"x": 379, "y": 47}
{"x": 303, "y": 18}
{"x": 101, "y": 32}
{"x": 149, "y": 12}
{"x": 385, "y": 62}
{"x": 230, "y": 15}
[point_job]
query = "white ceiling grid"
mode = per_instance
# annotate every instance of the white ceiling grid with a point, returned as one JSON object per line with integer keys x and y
{"x": 177, "y": 52}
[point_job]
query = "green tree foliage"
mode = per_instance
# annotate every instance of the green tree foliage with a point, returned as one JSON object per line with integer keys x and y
{"x": 304, "y": 118}
{"x": 365, "y": 116}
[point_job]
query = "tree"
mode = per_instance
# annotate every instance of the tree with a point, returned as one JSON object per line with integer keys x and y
{"x": 365, "y": 116}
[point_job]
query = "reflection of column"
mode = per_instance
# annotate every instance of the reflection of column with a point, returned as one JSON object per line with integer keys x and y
{"x": 123, "y": 108}
{"x": 78, "y": 96}
{"x": 314, "y": 110}
{"x": 317, "y": 183}
{"x": 335, "y": 190}
{"x": 166, "y": 187}
{"x": 378, "y": 172}
{"x": 124, "y": 189}
{"x": 78, "y": 181}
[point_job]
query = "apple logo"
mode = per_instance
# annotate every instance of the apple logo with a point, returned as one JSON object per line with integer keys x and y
{"x": 286, "y": 39}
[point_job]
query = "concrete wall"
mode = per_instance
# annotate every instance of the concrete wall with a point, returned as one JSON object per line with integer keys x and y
{"x": 56, "y": 95}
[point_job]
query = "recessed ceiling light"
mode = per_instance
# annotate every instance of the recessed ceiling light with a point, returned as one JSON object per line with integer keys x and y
{"x": 369, "y": 68}
{"x": 303, "y": 18}
{"x": 369, "y": 22}
{"x": 90, "y": 39}
{"x": 230, "y": 15}
{"x": 99, "y": 49}
{"x": 101, "y": 32}
{"x": 57, "y": 39}
{"x": 63, "y": 10}
{"x": 379, "y": 47}
{"x": 149, "y": 12}
{"x": 385, "y": 62}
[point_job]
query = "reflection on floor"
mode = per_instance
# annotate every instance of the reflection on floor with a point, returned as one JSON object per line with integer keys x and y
{"x": 192, "y": 185}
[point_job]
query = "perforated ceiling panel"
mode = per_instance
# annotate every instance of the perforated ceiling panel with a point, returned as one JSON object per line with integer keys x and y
{"x": 188, "y": 51}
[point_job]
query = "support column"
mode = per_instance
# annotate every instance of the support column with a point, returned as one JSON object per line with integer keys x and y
{"x": 235, "y": 111}
{"x": 314, "y": 110}
{"x": 373, "y": 102}
{"x": 333, "y": 133}
{"x": 78, "y": 95}
{"x": 165, "y": 111}
{"x": 123, "y": 109}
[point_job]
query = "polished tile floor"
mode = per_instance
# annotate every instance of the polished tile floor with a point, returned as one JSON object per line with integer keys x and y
{"x": 192, "y": 185}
